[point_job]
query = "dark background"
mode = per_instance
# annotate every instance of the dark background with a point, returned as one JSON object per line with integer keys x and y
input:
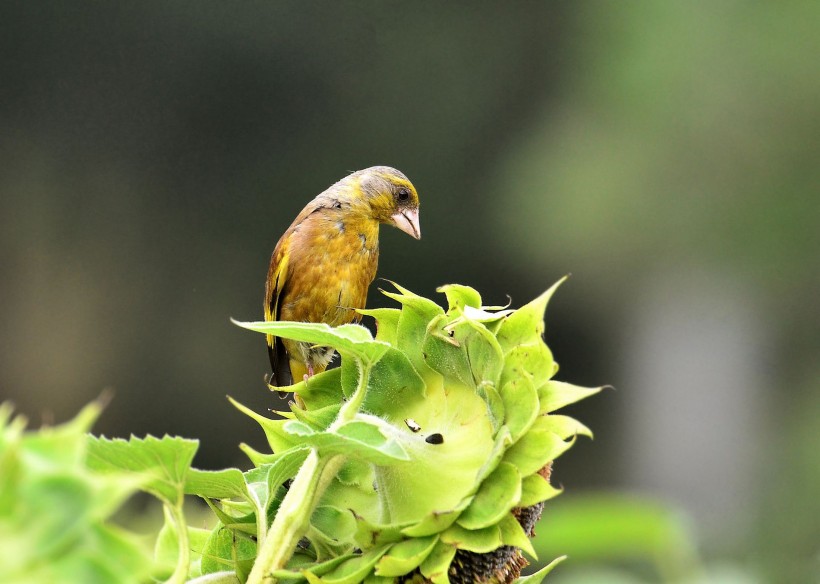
{"x": 663, "y": 153}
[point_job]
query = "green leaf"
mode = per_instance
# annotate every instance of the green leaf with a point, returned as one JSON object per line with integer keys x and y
{"x": 535, "y": 449}
{"x": 373, "y": 579}
{"x": 351, "y": 571}
{"x": 392, "y": 380}
{"x": 442, "y": 352}
{"x": 520, "y": 405}
{"x": 354, "y": 332}
{"x": 256, "y": 457}
{"x": 500, "y": 445}
{"x": 387, "y": 322}
{"x": 513, "y": 534}
{"x": 63, "y": 445}
{"x": 335, "y": 523}
{"x": 278, "y": 438}
{"x": 318, "y": 418}
{"x": 298, "y": 429}
{"x": 436, "y": 521}
{"x": 538, "y": 576}
{"x": 554, "y": 395}
{"x": 369, "y": 535}
{"x": 198, "y": 539}
{"x": 69, "y": 499}
{"x": 351, "y": 372}
{"x": 405, "y": 556}
{"x": 463, "y": 349}
{"x": 416, "y": 312}
{"x": 526, "y": 325}
{"x": 296, "y": 571}
{"x": 489, "y": 316}
{"x": 54, "y": 508}
{"x": 348, "y": 339}
{"x": 480, "y": 541}
{"x": 322, "y": 390}
{"x": 436, "y": 565}
{"x": 227, "y": 577}
{"x": 221, "y": 484}
{"x": 535, "y": 489}
{"x": 482, "y": 351}
{"x": 244, "y": 524}
{"x": 360, "y": 438}
{"x": 565, "y": 426}
{"x": 358, "y": 499}
{"x": 497, "y": 495}
{"x": 459, "y": 296}
{"x": 166, "y": 548}
{"x": 164, "y": 463}
{"x": 105, "y": 555}
{"x": 533, "y": 360}
{"x": 226, "y": 549}
{"x": 358, "y": 473}
{"x": 280, "y": 468}
{"x": 495, "y": 405}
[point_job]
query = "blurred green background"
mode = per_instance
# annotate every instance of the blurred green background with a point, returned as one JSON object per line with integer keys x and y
{"x": 666, "y": 154}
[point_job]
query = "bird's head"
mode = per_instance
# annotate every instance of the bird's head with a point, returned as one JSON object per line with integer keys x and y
{"x": 390, "y": 197}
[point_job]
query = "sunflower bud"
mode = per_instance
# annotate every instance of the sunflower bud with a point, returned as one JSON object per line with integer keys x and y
{"x": 443, "y": 433}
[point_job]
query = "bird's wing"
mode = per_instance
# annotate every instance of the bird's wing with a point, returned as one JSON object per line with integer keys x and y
{"x": 277, "y": 279}
{"x": 275, "y": 287}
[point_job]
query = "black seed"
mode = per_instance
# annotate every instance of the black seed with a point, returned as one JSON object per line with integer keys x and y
{"x": 435, "y": 439}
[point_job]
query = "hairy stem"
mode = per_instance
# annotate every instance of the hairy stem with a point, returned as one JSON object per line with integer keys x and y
{"x": 180, "y": 574}
{"x": 293, "y": 517}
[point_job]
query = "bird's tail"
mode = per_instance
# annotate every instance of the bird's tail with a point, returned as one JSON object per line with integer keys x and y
{"x": 279, "y": 362}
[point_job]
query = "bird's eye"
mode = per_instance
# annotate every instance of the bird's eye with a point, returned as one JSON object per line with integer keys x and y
{"x": 403, "y": 195}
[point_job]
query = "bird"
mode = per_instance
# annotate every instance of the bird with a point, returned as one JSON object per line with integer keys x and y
{"x": 324, "y": 263}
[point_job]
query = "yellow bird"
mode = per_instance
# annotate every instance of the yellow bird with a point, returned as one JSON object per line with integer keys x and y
{"x": 324, "y": 263}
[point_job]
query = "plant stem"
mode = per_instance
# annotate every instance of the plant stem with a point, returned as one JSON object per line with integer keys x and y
{"x": 180, "y": 574}
{"x": 293, "y": 517}
{"x": 351, "y": 408}
{"x": 261, "y": 524}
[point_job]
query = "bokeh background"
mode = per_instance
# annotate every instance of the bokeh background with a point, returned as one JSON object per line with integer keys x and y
{"x": 664, "y": 153}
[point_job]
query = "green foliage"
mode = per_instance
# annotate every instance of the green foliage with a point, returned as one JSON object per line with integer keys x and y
{"x": 54, "y": 508}
{"x": 426, "y": 443}
{"x": 620, "y": 528}
{"x": 613, "y": 537}
{"x": 445, "y": 424}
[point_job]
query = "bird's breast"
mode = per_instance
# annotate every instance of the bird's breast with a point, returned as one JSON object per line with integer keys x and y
{"x": 334, "y": 261}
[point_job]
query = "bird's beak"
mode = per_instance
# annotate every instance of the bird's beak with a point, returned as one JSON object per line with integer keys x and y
{"x": 408, "y": 221}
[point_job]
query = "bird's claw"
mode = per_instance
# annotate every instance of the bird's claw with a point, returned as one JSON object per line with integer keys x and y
{"x": 309, "y": 373}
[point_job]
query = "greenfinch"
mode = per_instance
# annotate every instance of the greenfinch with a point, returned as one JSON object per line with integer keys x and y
{"x": 324, "y": 263}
